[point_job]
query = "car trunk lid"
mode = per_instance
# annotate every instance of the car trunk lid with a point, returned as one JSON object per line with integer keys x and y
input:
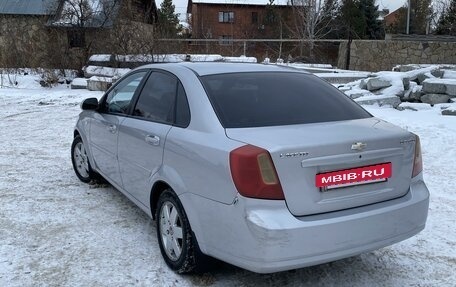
{"x": 301, "y": 152}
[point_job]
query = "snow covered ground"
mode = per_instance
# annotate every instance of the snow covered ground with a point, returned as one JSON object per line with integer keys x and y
{"x": 57, "y": 231}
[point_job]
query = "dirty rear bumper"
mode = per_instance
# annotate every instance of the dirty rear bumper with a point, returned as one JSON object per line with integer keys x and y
{"x": 263, "y": 236}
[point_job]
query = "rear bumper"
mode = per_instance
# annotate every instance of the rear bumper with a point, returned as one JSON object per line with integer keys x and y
{"x": 263, "y": 236}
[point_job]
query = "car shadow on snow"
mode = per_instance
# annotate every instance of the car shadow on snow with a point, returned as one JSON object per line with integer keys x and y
{"x": 368, "y": 269}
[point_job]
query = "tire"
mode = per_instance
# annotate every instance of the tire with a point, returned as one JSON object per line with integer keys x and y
{"x": 178, "y": 244}
{"x": 80, "y": 160}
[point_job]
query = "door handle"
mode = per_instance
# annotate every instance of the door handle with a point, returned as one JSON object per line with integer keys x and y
{"x": 153, "y": 140}
{"x": 112, "y": 128}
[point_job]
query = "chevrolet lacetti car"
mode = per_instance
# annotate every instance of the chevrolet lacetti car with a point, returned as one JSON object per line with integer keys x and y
{"x": 264, "y": 167}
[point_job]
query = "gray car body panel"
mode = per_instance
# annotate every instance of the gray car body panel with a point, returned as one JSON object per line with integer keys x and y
{"x": 309, "y": 227}
{"x": 263, "y": 236}
{"x": 327, "y": 147}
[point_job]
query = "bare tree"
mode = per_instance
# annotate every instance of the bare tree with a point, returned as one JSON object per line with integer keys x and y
{"x": 440, "y": 7}
{"x": 310, "y": 20}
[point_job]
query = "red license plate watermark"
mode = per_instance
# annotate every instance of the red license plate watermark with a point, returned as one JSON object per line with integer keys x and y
{"x": 354, "y": 176}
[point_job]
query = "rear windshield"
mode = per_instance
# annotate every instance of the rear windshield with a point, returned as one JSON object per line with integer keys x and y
{"x": 260, "y": 99}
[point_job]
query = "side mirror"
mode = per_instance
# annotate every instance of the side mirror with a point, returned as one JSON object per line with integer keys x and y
{"x": 89, "y": 104}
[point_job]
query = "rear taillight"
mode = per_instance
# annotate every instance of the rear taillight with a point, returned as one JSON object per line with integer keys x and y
{"x": 418, "y": 161}
{"x": 254, "y": 173}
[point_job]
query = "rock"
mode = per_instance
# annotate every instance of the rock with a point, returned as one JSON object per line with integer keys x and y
{"x": 406, "y": 95}
{"x": 44, "y": 84}
{"x": 374, "y": 84}
{"x": 430, "y": 87}
{"x": 355, "y": 96}
{"x": 363, "y": 85}
{"x": 435, "y": 99}
{"x": 421, "y": 78}
{"x": 393, "y": 101}
{"x": 407, "y": 108}
{"x": 449, "y": 112}
{"x": 413, "y": 87}
{"x": 406, "y": 82}
{"x": 343, "y": 88}
{"x": 416, "y": 95}
{"x": 437, "y": 73}
{"x": 451, "y": 89}
{"x": 404, "y": 68}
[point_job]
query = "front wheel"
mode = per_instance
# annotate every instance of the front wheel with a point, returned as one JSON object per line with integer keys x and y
{"x": 80, "y": 160}
{"x": 178, "y": 246}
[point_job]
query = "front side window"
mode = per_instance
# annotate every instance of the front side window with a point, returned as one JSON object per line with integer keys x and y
{"x": 226, "y": 17}
{"x": 277, "y": 98}
{"x": 119, "y": 98}
{"x": 157, "y": 99}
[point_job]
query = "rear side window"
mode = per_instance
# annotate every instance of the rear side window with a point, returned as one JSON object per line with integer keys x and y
{"x": 157, "y": 99}
{"x": 182, "y": 108}
{"x": 277, "y": 98}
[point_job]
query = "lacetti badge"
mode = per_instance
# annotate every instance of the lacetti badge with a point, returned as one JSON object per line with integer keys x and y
{"x": 359, "y": 146}
{"x": 294, "y": 154}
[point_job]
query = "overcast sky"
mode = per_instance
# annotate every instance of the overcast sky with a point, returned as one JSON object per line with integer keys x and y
{"x": 181, "y": 5}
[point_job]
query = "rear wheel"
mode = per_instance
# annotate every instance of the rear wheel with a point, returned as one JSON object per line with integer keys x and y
{"x": 80, "y": 160}
{"x": 178, "y": 245}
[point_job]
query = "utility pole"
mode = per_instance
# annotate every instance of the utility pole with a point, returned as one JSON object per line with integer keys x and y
{"x": 408, "y": 17}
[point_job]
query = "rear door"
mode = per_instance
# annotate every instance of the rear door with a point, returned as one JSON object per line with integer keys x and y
{"x": 105, "y": 125}
{"x": 142, "y": 136}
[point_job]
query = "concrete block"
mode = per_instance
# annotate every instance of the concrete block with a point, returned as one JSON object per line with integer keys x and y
{"x": 433, "y": 87}
{"x": 434, "y": 99}
{"x": 79, "y": 83}
{"x": 449, "y": 112}
{"x": 99, "y": 83}
{"x": 393, "y": 101}
{"x": 374, "y": 84}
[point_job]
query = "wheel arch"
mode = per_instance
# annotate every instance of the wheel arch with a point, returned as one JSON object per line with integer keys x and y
{"x": 157, "y": 189}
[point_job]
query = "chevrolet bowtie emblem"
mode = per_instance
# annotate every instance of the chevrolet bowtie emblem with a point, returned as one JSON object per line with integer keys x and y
{"x": 359, "y": 146}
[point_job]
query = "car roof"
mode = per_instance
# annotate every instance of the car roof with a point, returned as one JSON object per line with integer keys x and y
{"x": 213, "y": 68}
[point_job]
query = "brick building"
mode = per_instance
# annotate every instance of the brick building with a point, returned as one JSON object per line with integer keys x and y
{"x": 393, "y": 17}
{"x": 236, "y": 19}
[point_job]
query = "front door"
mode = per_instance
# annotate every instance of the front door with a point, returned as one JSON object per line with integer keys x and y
{"x": 104, "y": 128}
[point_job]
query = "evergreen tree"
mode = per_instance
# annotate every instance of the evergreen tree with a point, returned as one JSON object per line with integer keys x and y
{"x": 351, "y": 20}
{"x": 359, "y": 19}
{"x": 168, "y": 20}
{"x": 447, "y": 22}
{"x": 420, "y": 14}
{"x": 373, "y": 27}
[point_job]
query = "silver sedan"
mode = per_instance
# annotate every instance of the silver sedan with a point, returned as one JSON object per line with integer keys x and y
{"x": 261, "y": 166}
